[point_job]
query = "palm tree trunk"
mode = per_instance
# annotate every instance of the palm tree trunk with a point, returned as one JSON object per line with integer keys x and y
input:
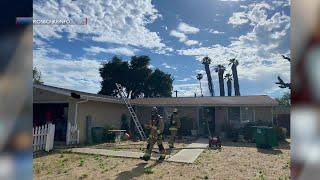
{"x": 235, "y": 81}
{"x": 210, "y": 84}
{"x": 221, "y": 83}
{"x": 229, "y": 86}
{"x": 200, "y": 88}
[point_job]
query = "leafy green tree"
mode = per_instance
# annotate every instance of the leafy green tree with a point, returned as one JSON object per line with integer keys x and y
{"x": 136, "y": 77}
{"x": 159, "y": 84}
{"x": 234, "y": 63}
{"x": 206, "y": 61}
{"x": 228, "y": 77}
{"x": 36, "y": 74}
{"x": 284, "y": 100}
{"x": 115, "y": 71}
{"x": 220, "y": 70}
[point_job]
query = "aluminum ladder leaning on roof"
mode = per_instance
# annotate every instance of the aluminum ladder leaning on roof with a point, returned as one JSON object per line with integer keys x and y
{"x": 132, "y": 113}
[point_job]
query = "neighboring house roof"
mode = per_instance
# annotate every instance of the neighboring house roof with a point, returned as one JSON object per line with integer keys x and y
{"x": 259, "y": 100}
{"x": 262, "y": 100}
{"x": 83, "y": 95}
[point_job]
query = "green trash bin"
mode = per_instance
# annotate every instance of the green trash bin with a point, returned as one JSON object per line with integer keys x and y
{"x": 97, "y": 134}
{"x": 266, "y": 137}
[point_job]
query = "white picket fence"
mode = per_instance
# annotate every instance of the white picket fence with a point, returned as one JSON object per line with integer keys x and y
{"x": 43, "y": 137}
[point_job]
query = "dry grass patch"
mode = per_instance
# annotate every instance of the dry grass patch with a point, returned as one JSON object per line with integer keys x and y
{"x": 234, "y": 161}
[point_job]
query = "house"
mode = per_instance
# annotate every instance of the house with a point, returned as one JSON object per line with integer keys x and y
{"x": 218, "y": 111}
{"x": 75, "y": 112}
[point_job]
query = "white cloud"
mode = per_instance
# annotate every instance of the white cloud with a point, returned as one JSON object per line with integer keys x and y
{"x": 181, "y": 32}
{"x": 238, "y": 18}
{"x": 181, "y": 36}
{"x": 116, "y": 51}
{"x": 187, "y": 29}
{"x": 216, "y": 32}
{"x": 184, "y": 80}
{"x": 255, "y": 13}
{"x": 113, "y": 21}
{"x": 191, "y": 42}
{"x": 82, "y": 75}
{"x": 168, "y": 66}
{"x": 259, "y": 51}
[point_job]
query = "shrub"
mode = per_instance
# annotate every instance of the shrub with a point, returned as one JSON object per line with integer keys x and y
{"x": 232, "y": 133}
{"x": 109, "y": 136}
{"x": 281, "y": 133}
{"x": 124, "y": 122}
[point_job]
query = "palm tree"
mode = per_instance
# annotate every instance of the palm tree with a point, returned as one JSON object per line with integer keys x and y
{"x": 220, "y": 70}
{"x": 206, "y": 62}
{"x": 234, "y": 63}
{"x": 228, "y": 77}
{"x": 199, "y": 77}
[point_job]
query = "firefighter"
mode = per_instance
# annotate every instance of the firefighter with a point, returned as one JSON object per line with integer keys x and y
{"x": 175, "y": 124}
{"x": 156, "y": 131}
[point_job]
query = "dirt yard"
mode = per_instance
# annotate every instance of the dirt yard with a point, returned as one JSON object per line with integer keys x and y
{"x": 234, "y": 161}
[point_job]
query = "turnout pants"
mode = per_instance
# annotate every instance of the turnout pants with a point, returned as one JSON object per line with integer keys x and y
{"x": 173, "y": 135}
{"x": 151, "y": 141}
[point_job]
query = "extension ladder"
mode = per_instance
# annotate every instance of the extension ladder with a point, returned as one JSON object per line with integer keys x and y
{"x": 132, "y": 113}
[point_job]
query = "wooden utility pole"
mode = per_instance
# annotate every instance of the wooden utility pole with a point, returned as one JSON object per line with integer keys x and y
{"x": 176, "y": 91}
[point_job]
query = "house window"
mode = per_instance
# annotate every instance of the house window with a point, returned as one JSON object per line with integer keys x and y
{"x": 234, "y": 114}
{"x": 247, "y": 114}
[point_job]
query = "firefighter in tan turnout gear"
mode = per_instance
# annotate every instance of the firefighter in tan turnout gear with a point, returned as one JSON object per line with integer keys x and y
{"x": 175, "y": 124}
{"x": 156, "y": 130}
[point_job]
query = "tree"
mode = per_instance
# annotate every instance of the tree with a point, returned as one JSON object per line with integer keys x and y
{"x": 159, "y": 84}
{"x": 139, "y": 73}
{"x": 284, "y": 100}
{"x": 114, "y": 71}
{"x": 199, "y": 77}
{"x": 36, "y": 74}
{"x": 136, "y": 77}
{"x": 228, "y": 77}
{"x": 220, "y": 70}
{"x": 280, "y": 82}
{"x": 234, "y": 63}
{"x": 206, "y": 62}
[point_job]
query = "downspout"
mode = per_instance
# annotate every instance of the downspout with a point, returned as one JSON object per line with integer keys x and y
{"x": 76, "y": 111}
{"x": 75, "y": 121}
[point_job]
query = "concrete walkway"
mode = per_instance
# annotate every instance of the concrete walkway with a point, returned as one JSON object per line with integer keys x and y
{"x": 190, "y": 155}
{"x": 183, "y": 156}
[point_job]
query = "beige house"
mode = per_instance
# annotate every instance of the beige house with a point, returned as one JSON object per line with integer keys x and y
{"x": 218, "y": 111}
{"x": 75, "y": 112}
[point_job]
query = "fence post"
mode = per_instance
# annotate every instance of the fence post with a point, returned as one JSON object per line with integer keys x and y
{"x": 50, "y": 137}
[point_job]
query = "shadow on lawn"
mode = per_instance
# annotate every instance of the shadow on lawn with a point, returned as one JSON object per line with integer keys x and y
{"x": 135, "y": 172}
{"x": 270, "y": 151}
{"x": 282, "y": 145}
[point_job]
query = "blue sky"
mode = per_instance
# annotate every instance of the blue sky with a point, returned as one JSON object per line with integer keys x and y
{"x": 176, "y": 34}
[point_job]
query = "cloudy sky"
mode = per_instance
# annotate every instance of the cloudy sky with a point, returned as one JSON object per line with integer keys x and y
{"x": 176, "y": 34}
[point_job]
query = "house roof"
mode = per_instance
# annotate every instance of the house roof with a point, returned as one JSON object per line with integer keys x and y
{"x": 83, "y": 95}
{"x": 260, "y": 100}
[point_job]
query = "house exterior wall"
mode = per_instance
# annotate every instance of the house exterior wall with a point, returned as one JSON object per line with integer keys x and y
{"x": 144, "y": 114}
{"x": 101, "y": 113}
{"x": 263, "y": 114}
